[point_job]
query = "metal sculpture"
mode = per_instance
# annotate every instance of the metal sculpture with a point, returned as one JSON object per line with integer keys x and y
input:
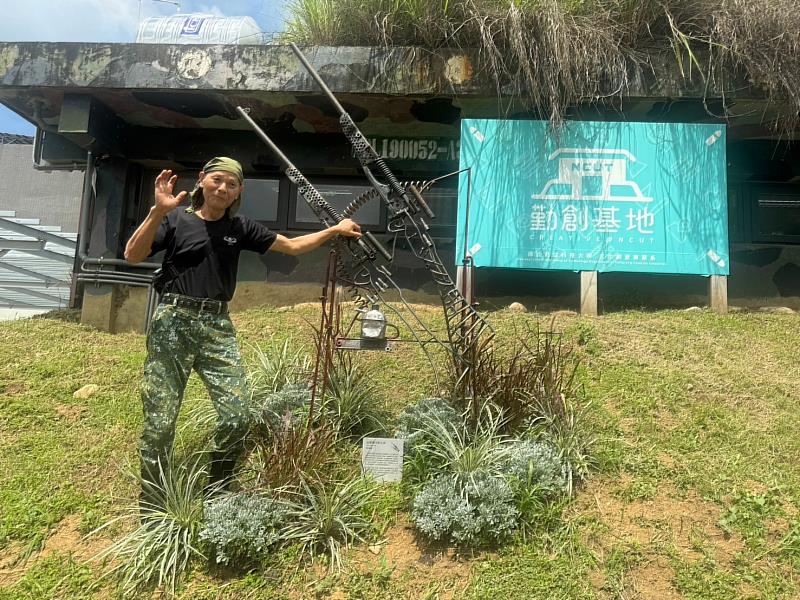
{"x": 363, "y": 266}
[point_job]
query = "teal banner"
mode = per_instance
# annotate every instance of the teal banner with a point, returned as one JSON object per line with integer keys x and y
{"x": 594, "y": 196}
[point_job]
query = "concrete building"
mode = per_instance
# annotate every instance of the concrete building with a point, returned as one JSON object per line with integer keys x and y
{"x": 140, "y": 108}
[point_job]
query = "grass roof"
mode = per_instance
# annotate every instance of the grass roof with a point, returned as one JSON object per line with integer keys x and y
{"x": 557, "y": 53}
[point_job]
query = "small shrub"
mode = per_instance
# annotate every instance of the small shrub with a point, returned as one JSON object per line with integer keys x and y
{"x": 471, "y": 514}
{"x": 286, "y": 406}
{"x": 537, "y": 464}
{"x": 416, "y": 418}
{"x": 240, "y": 527}
{"x": 327, "y": 517}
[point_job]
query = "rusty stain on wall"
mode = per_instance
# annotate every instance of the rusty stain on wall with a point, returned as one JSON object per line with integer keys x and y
{"x": 458, "y": 69}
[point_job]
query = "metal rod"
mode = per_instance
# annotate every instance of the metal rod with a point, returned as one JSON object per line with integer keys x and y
{"x": 286, "y": 163}
{"x": 313, "y": 72}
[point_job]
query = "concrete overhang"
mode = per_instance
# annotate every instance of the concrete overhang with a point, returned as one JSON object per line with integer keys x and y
{"x": 146, "y": 86}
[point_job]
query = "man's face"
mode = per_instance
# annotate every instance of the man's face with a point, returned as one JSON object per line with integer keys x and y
{"x": 220, "y": 188}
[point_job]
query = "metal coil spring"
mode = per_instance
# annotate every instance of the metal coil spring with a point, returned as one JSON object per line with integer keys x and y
{"x": 351, "y": 208}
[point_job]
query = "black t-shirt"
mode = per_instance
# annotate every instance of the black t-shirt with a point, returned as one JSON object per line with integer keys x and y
{"x": 202, "y": 257}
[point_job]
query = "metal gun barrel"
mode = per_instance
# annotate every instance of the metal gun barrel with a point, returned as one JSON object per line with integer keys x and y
{"x": 313, "y": 72}
{"x": 285, "y": 162}
{"x": 322, "y": 205}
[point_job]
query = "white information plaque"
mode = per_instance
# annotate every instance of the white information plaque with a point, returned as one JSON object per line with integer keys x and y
{"x": 383, "y": 458}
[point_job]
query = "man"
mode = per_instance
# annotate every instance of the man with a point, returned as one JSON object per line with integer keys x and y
{"x": 191, "y": 328}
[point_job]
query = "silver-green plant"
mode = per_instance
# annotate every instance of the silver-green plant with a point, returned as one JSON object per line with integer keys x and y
{"x": 329, "y": 516}
{"x": 414, "y": 421}
{"x": 287, "y": 406}
{"x": 467, "y": 513}
{"x": 240, "y": 527}
{"x": 164, "y": 543}
{"x": 537, "y": 465}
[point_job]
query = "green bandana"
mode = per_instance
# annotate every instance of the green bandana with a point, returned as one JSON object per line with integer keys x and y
{"x": 218, "y": 163}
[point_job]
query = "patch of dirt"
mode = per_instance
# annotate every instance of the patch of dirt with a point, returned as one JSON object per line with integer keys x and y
{"x": 70, "y": 412}
{"x": 417, "y": 565}
{"x": 10, "y": 572}
{"x": 65, "y": 539}
{"x": 12, "y": 389}
{"x": 652, "y": 581}
{"x": 670, "y": 521}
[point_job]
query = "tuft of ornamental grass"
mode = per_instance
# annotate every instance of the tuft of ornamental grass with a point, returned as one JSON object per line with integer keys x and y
{"x": 463, "y": 454}
{"x": 329, "y": 516}
{"x": 165, "y": 540}
{"x": 351, "y": 399}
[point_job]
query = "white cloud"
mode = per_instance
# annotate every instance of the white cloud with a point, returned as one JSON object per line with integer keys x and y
{"x": 211, "y": 10}
{"x": 76, "y": 20}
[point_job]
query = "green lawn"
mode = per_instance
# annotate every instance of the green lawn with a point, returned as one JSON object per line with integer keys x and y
{"x": 695, "y": 492}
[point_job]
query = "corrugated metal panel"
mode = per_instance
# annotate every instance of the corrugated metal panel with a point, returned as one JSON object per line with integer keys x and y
{"x": 50, "y": 289}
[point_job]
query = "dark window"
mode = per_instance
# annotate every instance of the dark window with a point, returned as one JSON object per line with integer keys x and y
{"x": 260, "y": 199}
{"x": 339, "y": 196}
{"x": 443, "y": 201}
{"x": 777, "y": 216}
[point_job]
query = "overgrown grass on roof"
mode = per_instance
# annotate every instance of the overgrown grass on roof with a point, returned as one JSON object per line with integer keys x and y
{"x": 557, "y": 53}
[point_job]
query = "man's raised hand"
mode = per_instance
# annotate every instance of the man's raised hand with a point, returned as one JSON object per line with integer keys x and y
{"x": 165, "y": 201}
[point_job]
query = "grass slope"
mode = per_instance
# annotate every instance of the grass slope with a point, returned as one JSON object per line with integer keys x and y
{"x": 696, "y": 494}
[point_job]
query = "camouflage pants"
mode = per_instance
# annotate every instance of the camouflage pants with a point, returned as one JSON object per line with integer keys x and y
{"x": 181, "y": 339}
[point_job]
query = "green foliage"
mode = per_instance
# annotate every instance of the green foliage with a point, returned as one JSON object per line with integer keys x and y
{"x": 537, "y": 465}
{"x": 789, "y": 546}
{"x": 276, "y": 367}
{"x": 467, "y": 513}
{"x": 286, "y": 407}
{"x": 465, "y": 455}
{"x": 414, "y": 421}
{"x": 329, "y": 516}
{"x": 563, "y": 422}
{"x": 557, "y": 54}
{"x": 747, "y": 513}
{"x": 351, "y": 399}
{"x": 55, "y": 577}
{"x": 159, "y": 551}
{"x": 240, "y": 527}
{"x": 705, "y": 580}
{"x": 678, "y": 422}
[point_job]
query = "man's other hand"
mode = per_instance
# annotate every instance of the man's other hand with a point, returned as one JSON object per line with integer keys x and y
{"x": 348, "y": 228}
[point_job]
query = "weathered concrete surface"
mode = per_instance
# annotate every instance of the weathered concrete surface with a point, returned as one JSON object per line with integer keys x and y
{"x": 114, "y": 308}
{"x": 271, "y": 68}
{"x": 98, "y": 307}
{"x": 155, "y": 85}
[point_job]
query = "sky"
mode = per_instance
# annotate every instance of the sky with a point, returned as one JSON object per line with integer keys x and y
{"x": 111, "y": 21}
